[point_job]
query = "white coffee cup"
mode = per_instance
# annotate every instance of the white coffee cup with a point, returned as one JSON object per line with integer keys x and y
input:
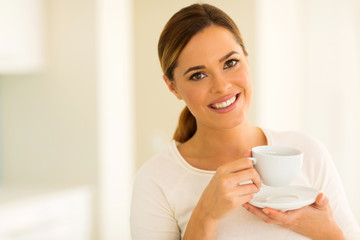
{"x": 277, "y": 165}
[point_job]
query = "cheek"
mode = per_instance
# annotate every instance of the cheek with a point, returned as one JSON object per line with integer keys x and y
{"x": 243, "y": 80}
{"x": 248, "y": 92}
{"x": 193, "y": 98}
{"x": 248, "y": 84}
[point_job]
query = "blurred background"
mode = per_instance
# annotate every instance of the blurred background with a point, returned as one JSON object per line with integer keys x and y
{"x": 83, "y": 104}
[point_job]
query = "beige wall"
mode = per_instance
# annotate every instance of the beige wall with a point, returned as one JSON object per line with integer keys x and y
{"x": 157, "y": 110}
{"x": 49, "y": 118}
{"x": 49, "y": 121}
{"x": 54, "y": 123}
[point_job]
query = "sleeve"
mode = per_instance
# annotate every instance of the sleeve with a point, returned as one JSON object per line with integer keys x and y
{"x": 328, "y": 181}
{"x": 151, "y": 216}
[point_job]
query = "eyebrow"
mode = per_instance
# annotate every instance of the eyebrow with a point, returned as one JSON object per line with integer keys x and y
{"x": 203, "y": 67}
{"x": 194, "y": 68}
{"x": 227, "y": 56}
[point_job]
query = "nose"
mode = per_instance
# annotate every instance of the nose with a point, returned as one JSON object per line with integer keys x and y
{"x": 220, "y": 84}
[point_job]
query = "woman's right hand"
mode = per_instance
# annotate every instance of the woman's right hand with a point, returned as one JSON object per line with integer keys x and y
{"x": 225, "y": 192}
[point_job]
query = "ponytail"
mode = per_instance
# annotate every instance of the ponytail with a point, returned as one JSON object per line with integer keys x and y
{"x": 186, "y": 127}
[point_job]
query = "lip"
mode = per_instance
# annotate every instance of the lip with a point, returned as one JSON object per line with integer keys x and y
{"x": 223, "y": 99}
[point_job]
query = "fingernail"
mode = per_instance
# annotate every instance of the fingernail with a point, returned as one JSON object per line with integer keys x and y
{"x": 266, "y": 211}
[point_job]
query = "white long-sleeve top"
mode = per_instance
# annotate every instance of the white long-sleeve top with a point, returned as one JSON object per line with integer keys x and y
{"x": 167, "y": 189}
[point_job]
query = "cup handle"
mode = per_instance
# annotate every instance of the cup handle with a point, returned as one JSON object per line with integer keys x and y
{"x": 253, "y": 160}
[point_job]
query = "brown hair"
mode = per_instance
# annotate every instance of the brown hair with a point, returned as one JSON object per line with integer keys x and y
{"x": 178, "y": 31}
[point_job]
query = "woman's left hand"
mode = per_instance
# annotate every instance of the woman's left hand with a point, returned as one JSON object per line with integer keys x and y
{"x": 314, "y": 221}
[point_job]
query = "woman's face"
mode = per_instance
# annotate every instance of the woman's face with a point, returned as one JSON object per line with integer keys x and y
{"x": 212, "y": 77}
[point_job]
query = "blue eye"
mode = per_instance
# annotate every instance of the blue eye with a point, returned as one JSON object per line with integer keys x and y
{"x": 230, "y": 63}
{"x": 197, "y": 76}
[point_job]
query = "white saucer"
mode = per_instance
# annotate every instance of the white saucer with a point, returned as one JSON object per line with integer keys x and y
{"x": 284, "y": 198}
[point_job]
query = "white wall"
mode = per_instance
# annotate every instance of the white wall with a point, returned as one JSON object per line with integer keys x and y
{"x": 280, "y": 64}
{"x": 21, "y": 42}
{"x": 308, "y": 58}
{"x": 333, "y": 112}
{"x": 115, "y": 112}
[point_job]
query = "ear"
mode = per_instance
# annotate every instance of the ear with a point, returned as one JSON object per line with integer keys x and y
{"x": 172, "y": 86}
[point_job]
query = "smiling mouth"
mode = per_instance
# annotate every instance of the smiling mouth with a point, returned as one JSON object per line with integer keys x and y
{"x": 224, "y": 104}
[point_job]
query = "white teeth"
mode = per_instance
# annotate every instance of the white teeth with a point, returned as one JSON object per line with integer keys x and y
{"x": 224, "y": 104}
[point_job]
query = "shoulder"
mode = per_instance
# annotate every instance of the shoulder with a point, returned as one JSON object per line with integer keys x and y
{"x": 152, "y": 205}
{"x": 300, "y": 140}
{"x": 156, "y": 163}
{"x": 292, "y": 136}
{"x": 317, "y": 161}
{"x": 162, "y": 170}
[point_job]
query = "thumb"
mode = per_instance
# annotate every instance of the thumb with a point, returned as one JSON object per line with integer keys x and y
{"x": 321, "y": 201}
{"x": 247, "y": 153}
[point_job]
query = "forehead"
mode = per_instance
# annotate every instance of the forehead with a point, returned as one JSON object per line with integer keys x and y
{"x": 208, "y": 45}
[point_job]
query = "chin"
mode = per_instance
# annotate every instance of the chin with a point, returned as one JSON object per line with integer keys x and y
{"x": 234, "y": 123}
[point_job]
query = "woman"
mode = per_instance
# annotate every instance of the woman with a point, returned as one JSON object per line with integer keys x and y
{"x": 192, "y": 190}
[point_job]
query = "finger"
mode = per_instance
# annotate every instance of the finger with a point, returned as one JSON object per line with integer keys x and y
{"x": 280, "y": 217}
{"x": 245, "y": 176}
{"x": 247, "y": 153}
{"x": 252, "y": 175}
{"x": 243, "y": 198}
{"x": 321, "y": 201}
{"x": 235, "y": 166}
{"x": 259, "y": 213}
{"x": 245, "y": 190}
{"x": 274, "y": 214}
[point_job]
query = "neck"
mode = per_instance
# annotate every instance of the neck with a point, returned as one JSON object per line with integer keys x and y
{"x": 231, "y": 142}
